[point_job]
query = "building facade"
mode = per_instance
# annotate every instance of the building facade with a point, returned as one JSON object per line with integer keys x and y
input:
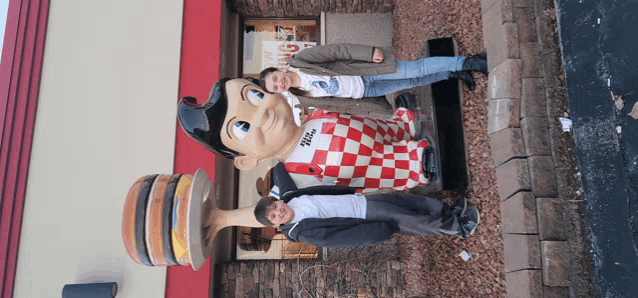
{"x": 89, "y": 91}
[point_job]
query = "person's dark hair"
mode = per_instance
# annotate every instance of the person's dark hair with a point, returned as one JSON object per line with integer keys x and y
{"x": 262, "y": 83}
{"x": 203, "y": 122}
{"x": 261, "y": 208}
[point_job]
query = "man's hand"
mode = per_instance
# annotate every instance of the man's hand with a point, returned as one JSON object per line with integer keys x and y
{"x": 377, "y": 56}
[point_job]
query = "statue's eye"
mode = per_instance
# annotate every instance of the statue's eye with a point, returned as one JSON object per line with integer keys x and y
{"x": 240, "y": 129}
{"x": 255, "y": 96}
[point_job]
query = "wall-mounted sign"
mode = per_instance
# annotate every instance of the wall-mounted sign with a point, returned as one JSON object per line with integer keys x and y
{"x": 277, "y": 53}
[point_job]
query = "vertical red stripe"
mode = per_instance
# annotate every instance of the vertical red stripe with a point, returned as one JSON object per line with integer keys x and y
{"x": 199, "y": 69}
{"x": 10, "y": 113}
{"x": 9, "y": 46}
{"x": 20, "y": 82}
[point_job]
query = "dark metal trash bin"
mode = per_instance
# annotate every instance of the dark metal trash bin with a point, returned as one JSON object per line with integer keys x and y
{"x": 92, "y": 290}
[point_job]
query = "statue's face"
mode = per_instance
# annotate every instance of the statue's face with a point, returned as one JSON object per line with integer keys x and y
{"x": 257, "y": 124}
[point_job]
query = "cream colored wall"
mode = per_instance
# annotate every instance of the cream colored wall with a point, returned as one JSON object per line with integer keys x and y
{"x": 106, "y": 116}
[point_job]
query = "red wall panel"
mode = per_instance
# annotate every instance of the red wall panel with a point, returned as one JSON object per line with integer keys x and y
{"x": 199, "y": 69}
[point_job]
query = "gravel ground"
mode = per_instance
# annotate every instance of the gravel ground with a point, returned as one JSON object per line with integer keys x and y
{"x": 432, "y": 266}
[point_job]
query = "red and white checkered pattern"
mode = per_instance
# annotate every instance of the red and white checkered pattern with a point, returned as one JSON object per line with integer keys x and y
{"x": 363, "y": 152}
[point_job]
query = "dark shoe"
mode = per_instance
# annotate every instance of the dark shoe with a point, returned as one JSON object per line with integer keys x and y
{"x": 406, "y": 100}
{"x": 460, "y": 206}
{"x": 476, "y": 63}
{"x": 469, "y": 222}
{"x": 466, "y": 77}
{"x": 428, "y": 162}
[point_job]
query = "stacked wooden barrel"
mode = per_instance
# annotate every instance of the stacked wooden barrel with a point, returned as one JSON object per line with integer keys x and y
{"x": 161, "y": 224}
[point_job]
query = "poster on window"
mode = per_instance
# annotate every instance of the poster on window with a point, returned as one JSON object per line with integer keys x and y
{"x": 276, "y": 53}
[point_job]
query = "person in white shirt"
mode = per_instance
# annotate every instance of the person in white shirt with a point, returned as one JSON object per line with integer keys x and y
{"x": 357, "y": 71}
{"x": 347, "y": 220}
{"x": 334, "y": 216}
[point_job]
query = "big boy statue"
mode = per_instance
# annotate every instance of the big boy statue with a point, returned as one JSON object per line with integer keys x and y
{"x": 241, "y": 121}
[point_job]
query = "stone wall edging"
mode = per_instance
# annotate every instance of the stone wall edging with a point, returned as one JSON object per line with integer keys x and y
{"x": 525, "y": 72}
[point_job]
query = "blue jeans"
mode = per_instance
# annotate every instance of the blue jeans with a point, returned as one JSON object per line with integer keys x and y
{"x": 411, "y": 74}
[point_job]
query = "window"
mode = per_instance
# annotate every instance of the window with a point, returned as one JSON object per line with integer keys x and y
{"x": 269, "y": 43}
{"x": 270, "y": 243}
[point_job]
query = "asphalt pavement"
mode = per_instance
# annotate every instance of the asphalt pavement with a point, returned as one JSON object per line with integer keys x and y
{"x": 600, "y": 56}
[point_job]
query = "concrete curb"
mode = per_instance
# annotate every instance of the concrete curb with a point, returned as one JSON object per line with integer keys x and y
{"x": 526, "y": 78}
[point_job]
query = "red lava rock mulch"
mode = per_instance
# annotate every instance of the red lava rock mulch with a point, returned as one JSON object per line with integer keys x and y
{"x": 432, "y": 266}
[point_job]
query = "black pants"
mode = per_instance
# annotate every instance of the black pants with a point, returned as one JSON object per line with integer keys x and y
{"x": 415, "y": 215}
